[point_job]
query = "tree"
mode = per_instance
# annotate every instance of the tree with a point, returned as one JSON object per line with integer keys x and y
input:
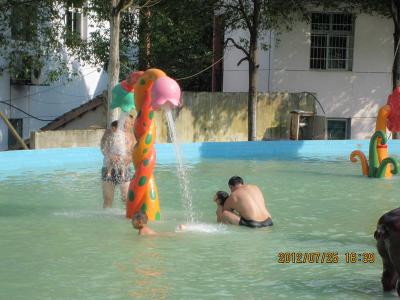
{"x": 255, "y": 17}
{"x": 172, "y": 36}
{"x": 33, "y": 32}
{"x": 112, "y": 12}
{"x": 176, "y": 36}
{"x": 117, "y": 6}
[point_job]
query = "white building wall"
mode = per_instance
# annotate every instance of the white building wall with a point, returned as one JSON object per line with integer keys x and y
{"x": 51, "y": 101}
{"x": 356, "y": 94}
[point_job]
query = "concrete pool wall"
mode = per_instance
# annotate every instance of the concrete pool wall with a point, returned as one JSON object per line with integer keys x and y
{"x": 69, "y": 158}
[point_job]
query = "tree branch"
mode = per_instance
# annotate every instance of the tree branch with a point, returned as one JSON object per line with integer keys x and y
{"x": 246, "y": 18}
{"x": 395, "y": 13}
{"x": 242, "y": 60}
{"x": 237, "y": 46}
{"x": 121, "y": 6}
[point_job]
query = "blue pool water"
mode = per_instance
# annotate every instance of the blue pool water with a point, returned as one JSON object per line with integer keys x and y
{"x": 58, "y": 243}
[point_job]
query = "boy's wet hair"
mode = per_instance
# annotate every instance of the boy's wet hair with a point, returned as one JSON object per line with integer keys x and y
{"x": 222, "y": 196}
{"x": 235, "y": 180}
{"x": 114, "y": 123}
{"x": 140, "y": 216}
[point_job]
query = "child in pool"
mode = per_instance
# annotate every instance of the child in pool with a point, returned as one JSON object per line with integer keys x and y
{"x": 139, "y": 221}
{"x": 116, "y": 148}
{"x": 219, "y": 199}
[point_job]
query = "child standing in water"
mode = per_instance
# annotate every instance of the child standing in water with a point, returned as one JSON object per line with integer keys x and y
{"x": 115, "y": 149}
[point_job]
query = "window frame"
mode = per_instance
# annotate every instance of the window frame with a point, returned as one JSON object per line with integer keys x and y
{"x": 347, "y": 130}
{"x": 329, "y": 33}
{"x": 75, "y": 22}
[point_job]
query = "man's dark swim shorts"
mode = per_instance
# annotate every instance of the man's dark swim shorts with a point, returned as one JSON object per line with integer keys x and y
{"x": 116, "y": 175}
{"x": 255, "y": 224}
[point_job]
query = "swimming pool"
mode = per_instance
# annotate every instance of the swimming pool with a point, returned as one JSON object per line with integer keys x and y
{"x": 57, "y": 242}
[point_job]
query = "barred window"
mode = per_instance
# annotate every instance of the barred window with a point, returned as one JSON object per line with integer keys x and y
{"x": 332, "y": 40}
{"x": 74, "y": 21}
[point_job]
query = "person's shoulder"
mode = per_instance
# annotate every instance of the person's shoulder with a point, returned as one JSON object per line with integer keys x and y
{"x": 253, "y": 186}
{"x": 233, "y": 196}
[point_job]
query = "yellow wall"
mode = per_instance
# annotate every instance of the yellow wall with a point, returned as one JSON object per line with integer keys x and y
{"x": 223, "y": 116}
{"x": 203, "y": 117}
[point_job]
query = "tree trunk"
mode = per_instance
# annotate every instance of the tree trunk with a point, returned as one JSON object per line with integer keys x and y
{"x": 145, "y": 37}
{"x": 113, "y": 64}
{"x": 218, "y": 53}
{"x": 253, "y": 71}
{"x": 252, "y": 102}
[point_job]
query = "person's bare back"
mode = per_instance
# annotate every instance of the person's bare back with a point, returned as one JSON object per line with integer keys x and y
{"x": 245, "y": 206}
{"x": 249, "y": 202}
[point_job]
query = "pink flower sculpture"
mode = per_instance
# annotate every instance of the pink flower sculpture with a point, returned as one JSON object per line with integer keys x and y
{"x": 165, "y": 93}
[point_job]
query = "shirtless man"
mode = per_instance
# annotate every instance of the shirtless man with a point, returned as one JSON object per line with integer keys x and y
{"x": 245, "y": 206}
{"x": 120, "y": 174}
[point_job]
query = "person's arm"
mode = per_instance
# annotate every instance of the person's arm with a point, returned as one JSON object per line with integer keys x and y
{"x": 219, "y": 212}
{"x": 229, "y": 203}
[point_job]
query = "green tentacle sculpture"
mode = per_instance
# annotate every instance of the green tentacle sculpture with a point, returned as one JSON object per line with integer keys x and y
{"x": 380, "y": 173}
{"x": 375, "y": 168}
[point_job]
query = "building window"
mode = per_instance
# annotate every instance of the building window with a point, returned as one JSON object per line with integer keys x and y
{"x": 12, "y": 141}
{"x": 332, "y": 40}
{"x": 338, "y": 129}
{"x": 74, "y": 22}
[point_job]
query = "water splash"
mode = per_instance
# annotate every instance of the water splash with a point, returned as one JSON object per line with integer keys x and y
{"x": 183, "y": 177}
{"x": 116, "y": 146}
{"x": 202, "y": 228}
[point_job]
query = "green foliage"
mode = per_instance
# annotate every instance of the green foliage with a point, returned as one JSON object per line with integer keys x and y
{"x": 180, "y": 32}
{"x": 255, "y": 17}
{"x": 33, "y": 34}
{"x": 181, "y": 35}
{"x": 373, "y": 7}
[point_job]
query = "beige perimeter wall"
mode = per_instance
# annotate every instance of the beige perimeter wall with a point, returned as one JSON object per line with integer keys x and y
{"x": 203, "y": 117}
{"x": 223, "y": 116}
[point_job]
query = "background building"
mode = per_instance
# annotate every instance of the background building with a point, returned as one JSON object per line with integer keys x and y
{"x": 344, "y": 59}
{"x": 30, "y": 103}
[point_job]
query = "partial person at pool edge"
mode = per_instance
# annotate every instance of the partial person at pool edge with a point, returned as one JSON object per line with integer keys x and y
{"x": 245, "y": 206}
{"x": 120, "y": 175}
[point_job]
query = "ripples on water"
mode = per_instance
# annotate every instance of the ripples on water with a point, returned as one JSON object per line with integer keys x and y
{"x": 57, "y": 242}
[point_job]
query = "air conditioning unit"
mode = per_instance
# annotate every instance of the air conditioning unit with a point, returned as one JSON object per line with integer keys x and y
{"x": 305, "y": 125}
